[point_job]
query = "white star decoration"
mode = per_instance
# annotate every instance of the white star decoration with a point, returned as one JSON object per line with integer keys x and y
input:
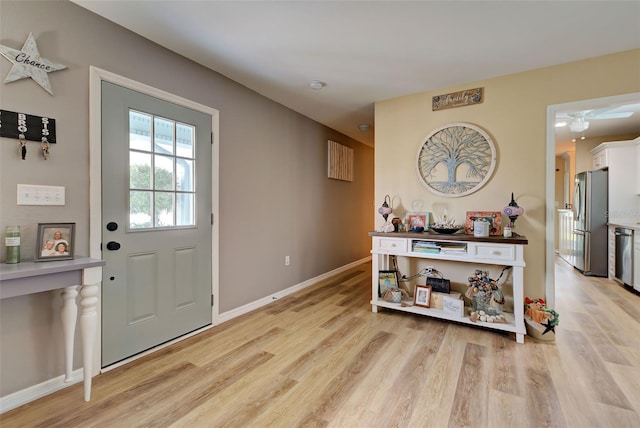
{"x": 28, "y": 63}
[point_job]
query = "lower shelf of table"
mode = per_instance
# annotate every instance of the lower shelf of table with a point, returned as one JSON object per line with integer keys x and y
{"x": 509, "y": 326}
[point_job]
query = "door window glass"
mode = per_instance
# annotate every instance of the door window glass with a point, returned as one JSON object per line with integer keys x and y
{"x": 161, "y": 175}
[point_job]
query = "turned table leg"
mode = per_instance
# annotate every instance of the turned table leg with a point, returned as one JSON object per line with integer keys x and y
{"x": 88, "y": 325}
{"x": 69, "y": 315}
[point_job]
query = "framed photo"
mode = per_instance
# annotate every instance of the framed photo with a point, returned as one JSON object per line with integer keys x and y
{"x": 493, "y": 217}
{"x": 417, "y": 219}
{"x": 56, "y": 241}
{"x": 387, "y": 279}
{"x": 422, "y": 296}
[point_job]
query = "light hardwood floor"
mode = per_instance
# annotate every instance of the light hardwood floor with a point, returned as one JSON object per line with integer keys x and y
{"x": 322, "y": 358}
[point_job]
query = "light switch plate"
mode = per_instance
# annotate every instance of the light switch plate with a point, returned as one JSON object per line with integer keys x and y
{"x": 31, "y": 194}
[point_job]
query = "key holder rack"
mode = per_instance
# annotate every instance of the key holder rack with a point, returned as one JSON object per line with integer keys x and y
{"x": 26, "y": 127}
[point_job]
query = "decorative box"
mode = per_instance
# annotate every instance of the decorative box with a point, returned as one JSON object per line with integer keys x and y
{"x": 437, "y": 299}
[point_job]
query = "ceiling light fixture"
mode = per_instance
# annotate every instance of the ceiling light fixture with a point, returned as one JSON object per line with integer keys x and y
{"x": 316, "y": 85}
{"x": 364, "y": 127}
{"x": 561, "y": 124}
{"x": 579, "y": 125}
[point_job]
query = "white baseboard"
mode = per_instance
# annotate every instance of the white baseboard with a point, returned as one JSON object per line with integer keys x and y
{"x": 229, "y": 315}
{"x": 34, "y": 392}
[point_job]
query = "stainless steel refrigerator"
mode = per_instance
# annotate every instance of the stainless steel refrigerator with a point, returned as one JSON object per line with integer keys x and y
{"x": 590, "y": 205}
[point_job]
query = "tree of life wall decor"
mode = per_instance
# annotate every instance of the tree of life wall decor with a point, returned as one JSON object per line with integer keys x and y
{"x": 456, "y": 160}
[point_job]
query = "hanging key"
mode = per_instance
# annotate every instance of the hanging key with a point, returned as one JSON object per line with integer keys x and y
{"x": 22, "y": 146}
{"x": 45, "y": 148}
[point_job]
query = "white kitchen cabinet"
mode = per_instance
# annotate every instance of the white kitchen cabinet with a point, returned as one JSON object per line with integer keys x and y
{"x": 620, "y": 158}
{"x": 599, "y": 158}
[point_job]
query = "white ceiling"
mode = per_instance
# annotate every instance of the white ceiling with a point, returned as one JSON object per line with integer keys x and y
{"x": 599, "y": 125}
{"x": 368, "y": 51}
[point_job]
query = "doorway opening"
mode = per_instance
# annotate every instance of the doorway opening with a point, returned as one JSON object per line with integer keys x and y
{"x": 552, "y": 111}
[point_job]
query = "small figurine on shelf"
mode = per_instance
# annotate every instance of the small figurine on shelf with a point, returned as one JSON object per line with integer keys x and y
{"x": 444, "y": 221}
{"x": 397, "y": 224}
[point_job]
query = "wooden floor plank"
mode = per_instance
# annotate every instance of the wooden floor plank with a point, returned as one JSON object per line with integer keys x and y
{"x": 347, "y": 380}
{"x": 470, "y": 403}
{"x": 411, "y": 378}
{"x": 604, "y": 388}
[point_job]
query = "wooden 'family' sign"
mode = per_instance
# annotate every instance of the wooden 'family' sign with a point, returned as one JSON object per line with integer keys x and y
{"x": 458, "y": 99}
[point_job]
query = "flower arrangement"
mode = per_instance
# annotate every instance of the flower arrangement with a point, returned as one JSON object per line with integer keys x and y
{"x": 481, "y": 289}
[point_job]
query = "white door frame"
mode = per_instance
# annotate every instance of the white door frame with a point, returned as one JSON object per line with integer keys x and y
{"x": 96, "y": 76}
{"x": 550, "y": 286}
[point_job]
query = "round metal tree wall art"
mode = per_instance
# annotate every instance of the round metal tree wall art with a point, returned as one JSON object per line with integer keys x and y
{"x": 456, "y": 160}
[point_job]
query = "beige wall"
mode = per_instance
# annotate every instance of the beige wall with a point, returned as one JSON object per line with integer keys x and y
{"x": 275, "y": 198}
{"x": 514, "y": 114}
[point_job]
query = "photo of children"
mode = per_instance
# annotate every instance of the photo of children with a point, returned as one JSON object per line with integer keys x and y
{"x": 422, "y": 296}
{"x": 55, "y": 241}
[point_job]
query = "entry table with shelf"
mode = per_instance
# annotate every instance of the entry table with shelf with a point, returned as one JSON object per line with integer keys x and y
{"x": 492, "y": 250}
{"x": 69, "y": 275}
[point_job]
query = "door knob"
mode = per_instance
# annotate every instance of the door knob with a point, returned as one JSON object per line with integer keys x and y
{"x": 113, "y": 246}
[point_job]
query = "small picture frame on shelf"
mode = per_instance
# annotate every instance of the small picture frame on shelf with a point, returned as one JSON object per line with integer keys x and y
{"x": 422, "y": 296}
{"x": 387, "y": 279}
{"x": 55, "y": 241}
{"x": 417, "y": 221}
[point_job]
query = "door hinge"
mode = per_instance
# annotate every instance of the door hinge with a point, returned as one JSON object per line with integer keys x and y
{"x": 212, "y": 300}
{"x": 211, "y": 219}
{"x": 211, "y": 138}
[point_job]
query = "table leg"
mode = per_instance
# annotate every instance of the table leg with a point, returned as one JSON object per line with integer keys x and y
{"x": 375, "y": 267}
{"x": 88, "y": 325}
{"x": 69, "y": 316}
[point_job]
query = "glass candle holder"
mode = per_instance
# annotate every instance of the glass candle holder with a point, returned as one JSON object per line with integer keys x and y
{"x": 12, "y": 244}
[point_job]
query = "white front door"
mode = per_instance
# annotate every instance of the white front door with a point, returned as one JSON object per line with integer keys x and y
{"x": 156, "y": 222}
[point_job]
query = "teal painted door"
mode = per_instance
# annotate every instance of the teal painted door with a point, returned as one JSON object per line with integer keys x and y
{"x": 156, "y": 213}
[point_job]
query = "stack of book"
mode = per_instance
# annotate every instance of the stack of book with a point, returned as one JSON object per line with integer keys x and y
{"x": 453, "y": 247}
{"x": 425, "y": 247}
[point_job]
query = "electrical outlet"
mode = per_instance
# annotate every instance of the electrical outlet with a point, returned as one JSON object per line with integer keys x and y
{"x": 287, "y": 260}
{"x": 31, "y": 194}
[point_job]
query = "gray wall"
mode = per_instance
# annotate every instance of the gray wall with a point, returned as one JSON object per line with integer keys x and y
{"x": 275, "y": 199}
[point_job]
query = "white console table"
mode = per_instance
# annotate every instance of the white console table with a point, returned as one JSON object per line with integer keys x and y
{"x": 70, "y": 275}
{"x": 493, "y": 250}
